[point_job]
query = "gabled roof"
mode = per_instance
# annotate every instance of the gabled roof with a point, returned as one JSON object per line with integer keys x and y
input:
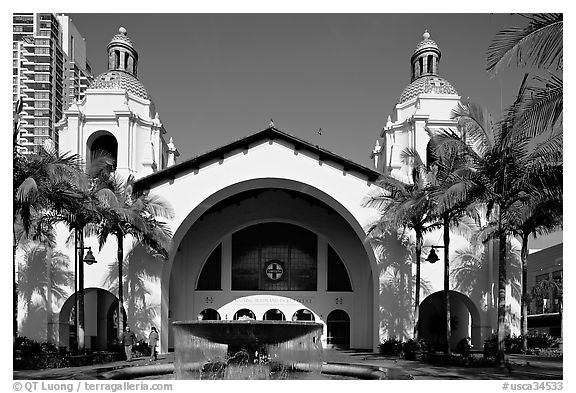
{"x": 268, "y": 134}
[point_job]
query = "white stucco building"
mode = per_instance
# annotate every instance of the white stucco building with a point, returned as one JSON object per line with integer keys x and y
{"x": 269, "y": 226}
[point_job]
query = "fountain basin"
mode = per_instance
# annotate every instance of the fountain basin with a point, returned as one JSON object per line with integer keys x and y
{"x": 246, "y": 349}
{"x": 247, "y": 333}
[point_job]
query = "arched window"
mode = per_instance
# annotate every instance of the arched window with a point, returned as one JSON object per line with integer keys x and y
{"x": 274, "y": 257}
{"x": 104, "y": 145}
{"x": 209, "y": 314}
{"x": 211, "y": 275}
{"x": 338, "y": 326}
{"x": 303, "y": 315}
{"x": 274, "y": 315}
{"x": 338, "y": 279}
{"x": 421, "y": 63}
{"x": 244, "y": 314}
{"x": 429, "y": 64}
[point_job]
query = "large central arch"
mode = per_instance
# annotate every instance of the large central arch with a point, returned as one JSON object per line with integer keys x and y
{"x": 364, "y": 267}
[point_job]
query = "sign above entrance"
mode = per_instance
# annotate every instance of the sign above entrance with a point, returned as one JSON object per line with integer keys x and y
{"x": 274, "y": 269}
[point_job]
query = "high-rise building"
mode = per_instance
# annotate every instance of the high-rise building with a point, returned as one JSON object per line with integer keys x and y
{"x": 50, "y": 71}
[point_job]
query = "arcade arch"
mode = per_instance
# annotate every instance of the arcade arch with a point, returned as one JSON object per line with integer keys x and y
{"x": 464, "y": 319}
{"x": 101, "y": 326}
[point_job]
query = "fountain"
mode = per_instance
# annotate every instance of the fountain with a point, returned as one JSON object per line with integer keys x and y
{"x": 246, "y": 349}
{"x": 250, "y": 349}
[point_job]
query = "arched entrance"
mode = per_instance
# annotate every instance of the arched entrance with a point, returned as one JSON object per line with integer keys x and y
{"x": 303, "y": 315}
{"x": 209, "y": 314}
{"x": 267, "y": 242}
{"x": 244, "y": 314}
{"x": 464, "y": 320}
{"x": 274, "y": 315}
{"x": 100, "y": 319}
{"x": 338, "y": 326}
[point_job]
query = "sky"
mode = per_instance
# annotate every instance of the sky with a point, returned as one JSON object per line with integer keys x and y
{"x": 216, "y": 78}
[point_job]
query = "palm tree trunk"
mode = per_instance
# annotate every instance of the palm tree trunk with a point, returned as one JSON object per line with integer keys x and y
{"x": 132, "y": 299}
{"x": 80, "y": 308}
{"x": 447, "y": 281}
{"x": 49, "y": 325}
{"x": 501, "y": 298}
{"x": 524, "y": 298}
{"x": 417, "y": 287}
{"x": 120, "y": 257}
{"x": 15, "y": 286}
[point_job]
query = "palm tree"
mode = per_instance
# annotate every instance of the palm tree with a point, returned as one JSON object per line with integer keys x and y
{"x": 44, "y": 273}
{"x": 43, "y": 182}
{"x": 407, "y": 206}
{"x": 137, "y": 216}
{"x": 79, "y": 214}
{"x": 450, "y": 194}
{"x": 541, "y": 215}
{"x": 500, "y": 167}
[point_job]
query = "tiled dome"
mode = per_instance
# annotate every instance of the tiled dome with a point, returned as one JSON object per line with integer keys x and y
{"x": 120, "y": 80}
{"x": 425, "y": 85}
{"x": 428, "y": 43}
{"x": 122, "y": 38}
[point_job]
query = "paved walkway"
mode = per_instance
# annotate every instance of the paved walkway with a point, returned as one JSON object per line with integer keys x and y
{"x": 523, "y": 367}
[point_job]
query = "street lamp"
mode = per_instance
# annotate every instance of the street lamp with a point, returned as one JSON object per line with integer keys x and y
{"x": 89, "y": 257}
{"x": 432, "y": 256}
{"x": 79, "y": 289}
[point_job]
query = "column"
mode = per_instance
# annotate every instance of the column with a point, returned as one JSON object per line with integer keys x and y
{"x": 226, "y": 264}
{"x": 322, "y": 272}
{"x": 122, "y": 61}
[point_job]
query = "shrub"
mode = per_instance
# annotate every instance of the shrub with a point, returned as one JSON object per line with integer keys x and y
{"x": 414, "y": 346}
{"x": 391, "y": 346}
{"x": 141, "y": 348}
{"x": 542, "y": 341}
{"x": 513, "y": 344}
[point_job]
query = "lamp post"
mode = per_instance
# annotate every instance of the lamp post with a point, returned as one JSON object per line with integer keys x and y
{"x": 79, "y": 317}
{"x": 433, "y": 258}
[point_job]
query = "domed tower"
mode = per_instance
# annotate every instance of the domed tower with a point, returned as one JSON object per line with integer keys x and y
{"x": 118, "y": 117}
{"x": 121, "y": 54}
{"x": 426, "y": 102}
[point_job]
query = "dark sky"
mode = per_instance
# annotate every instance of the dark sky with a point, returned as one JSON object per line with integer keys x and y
{"x": 216, "y": 78}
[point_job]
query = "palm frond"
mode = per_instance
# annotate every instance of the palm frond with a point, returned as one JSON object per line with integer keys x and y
{"x": 542, "y": 107}
{"x": 537, "y": 45}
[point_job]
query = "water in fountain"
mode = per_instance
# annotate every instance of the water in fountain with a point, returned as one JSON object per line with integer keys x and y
{"x": 246, "y": 349}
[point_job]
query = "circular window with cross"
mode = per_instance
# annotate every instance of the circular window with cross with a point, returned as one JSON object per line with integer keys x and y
{"x": 274, "y": 269}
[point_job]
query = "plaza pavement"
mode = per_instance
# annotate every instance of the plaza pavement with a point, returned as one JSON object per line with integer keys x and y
{"x": 523, "y": 367}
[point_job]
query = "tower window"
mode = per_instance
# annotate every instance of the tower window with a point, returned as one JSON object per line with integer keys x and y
{"x": 429, "y": 65}
{"x": 117, "y": 56}
{"x": 421, "y": 62}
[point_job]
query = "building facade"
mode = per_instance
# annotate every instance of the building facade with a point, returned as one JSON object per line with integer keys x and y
{"x": 270, "y": 226}
{"x": 545, "y": 284}
{"x": 50, "y": 71}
